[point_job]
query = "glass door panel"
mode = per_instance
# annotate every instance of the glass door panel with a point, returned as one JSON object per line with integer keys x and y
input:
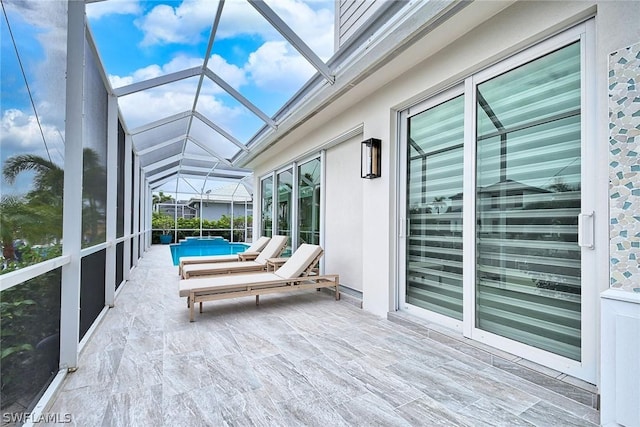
{"x": 528, "y": 195}
{"x": 434, "y": 209}
{"x": 266, "y": 207}
{"x": 285, "y": 206}
{"x": 309, "y": 202}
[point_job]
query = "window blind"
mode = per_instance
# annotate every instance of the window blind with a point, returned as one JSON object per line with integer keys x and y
{"x": 434, "y": 209}
{"x": 527, "y": 200}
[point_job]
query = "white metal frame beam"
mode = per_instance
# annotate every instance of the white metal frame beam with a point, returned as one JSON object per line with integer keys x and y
{"x": 163, "y": 174}
{"x": 157, "y": 81}
{"x": 221, "y": 131}
{"x": 199, "y": 157}
{"x": 293, "y": 38}
{"x": 72, "y": 201}
{"x": 210, "y": 151}
{"x": 112, "y": 195}
{"x": 164, "y": 162}
{"x": 239, "y": 97}
{"x": 128, "y": 175}
{"x": 162, "y": 181}
{"x": 161, "y": 145}
{"x": 161, "y": 122}
{"x": 136, "y": 209}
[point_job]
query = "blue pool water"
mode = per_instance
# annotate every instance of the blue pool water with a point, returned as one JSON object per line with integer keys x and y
{"x": 194, "y": 246}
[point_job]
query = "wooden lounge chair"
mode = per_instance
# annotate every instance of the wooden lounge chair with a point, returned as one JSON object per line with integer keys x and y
{"x": 273, "y": 249}
{"x": 249, "y": 254}
{"x": 295, "y": 274}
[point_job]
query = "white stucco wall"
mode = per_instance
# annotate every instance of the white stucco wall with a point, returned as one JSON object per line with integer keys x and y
{"x": 343, "y": 226}
{"x": 375, "y": 101}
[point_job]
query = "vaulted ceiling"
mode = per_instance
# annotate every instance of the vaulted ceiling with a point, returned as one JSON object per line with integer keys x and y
{"x": 196, "y": 144}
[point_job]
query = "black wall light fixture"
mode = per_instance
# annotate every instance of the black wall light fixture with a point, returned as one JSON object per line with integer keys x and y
{"x": 371, "y": 158}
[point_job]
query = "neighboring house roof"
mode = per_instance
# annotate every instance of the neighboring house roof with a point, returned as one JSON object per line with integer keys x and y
{"x": 227, "y": 193}
{"x": 511, "y": 186}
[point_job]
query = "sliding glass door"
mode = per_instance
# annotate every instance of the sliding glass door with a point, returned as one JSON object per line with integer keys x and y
{"x": 434, "y": 208}
{"x": 494, "y": 177}
{"x": 527, "y": 203}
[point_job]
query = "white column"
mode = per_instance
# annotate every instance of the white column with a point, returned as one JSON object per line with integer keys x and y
{"x": 231, "y": 236}
{"x": 112, "y": 196}
{"x": 293, "y": 227}
{"x": 147, "y": 213}
{"x": 136, "y": 209}
{"x": 72, "y": 203}
{"x": 128, "y": 164}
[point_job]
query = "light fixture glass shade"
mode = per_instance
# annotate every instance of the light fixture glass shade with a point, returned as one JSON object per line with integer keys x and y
{"x": 371, "y": 158}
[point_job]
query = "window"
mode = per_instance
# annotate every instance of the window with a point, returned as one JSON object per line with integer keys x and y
{"x": 266, "y": 206}
{"x": 309, "y": 202}
{"x": 285, "y": 205}
{"x": 298, "y": 202}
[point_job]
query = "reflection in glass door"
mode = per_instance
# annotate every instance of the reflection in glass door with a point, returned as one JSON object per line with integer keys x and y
{"x": 284, "y": 185}
{"x": 309, "y": 202}
{"x": 528, "y": 196}
{"x": 434, "y": 209}
{"x": 266, "y": 211}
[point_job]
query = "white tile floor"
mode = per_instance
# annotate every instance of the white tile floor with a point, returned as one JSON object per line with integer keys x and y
{"x": 297, "y": 359}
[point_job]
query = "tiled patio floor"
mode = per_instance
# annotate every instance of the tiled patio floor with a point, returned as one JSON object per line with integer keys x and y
{"x": 297, "y": 359}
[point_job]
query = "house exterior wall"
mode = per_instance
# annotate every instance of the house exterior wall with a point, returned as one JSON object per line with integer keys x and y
{"x": 343, "y": 234}
{"x": 445, "y": 57}
{"x": 350, "y": 15}
{"x": 215, "y": 210}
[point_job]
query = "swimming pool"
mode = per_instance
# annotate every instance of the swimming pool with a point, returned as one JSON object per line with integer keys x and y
{"x": 195, "y": 246}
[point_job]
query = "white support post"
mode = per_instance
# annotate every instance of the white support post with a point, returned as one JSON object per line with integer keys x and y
{"x": 128, "y": 165}
{"x": 293, "y": 227}
{"x": 323, "y": 203}
{"x": 147, "y": 214}
{"x": 201, "y": 212}
{"x": 112, "y": 196}
{"x": 274, "y": 204}
{"x": 72, "y": 202}
{"x": 136, "y": 209}
{"x": 231, "y": 237}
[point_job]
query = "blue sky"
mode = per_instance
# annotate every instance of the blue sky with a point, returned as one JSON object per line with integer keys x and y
{"x": 138, "y": 40}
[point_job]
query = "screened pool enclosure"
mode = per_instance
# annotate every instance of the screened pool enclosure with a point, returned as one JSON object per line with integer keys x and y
{"x": 103, "y": 119}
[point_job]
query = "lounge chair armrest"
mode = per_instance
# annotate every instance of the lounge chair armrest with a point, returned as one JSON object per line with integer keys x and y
{"x": 248, "y": 256}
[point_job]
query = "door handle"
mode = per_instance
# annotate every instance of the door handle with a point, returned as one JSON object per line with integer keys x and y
{"x": 586, "y": 230}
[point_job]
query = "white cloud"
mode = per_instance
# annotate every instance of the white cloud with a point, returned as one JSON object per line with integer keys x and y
{"x": 313, "y": 26}
{"x": 275, "y": 67}
{"x": 184, "y": 24}
{"x": 47, "y": 77}
{"x": 113, "y": 7}
{"x": 232, "y": 74}
{"x": 21, "y": 135}
{"x": 155, "y": 104}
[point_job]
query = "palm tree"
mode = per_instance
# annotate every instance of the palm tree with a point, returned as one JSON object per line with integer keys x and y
{"x": 37, "y": 216}
{"x": 94, "y": 196}
{"x": 48, "y": 181}
{"x": 161, "y": 198}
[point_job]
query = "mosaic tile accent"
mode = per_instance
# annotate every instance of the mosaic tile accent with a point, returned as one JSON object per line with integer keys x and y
{"x": 624, "y": 168}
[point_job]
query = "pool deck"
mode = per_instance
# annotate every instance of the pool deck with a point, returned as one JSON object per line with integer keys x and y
{"x": 298, "y": 359}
